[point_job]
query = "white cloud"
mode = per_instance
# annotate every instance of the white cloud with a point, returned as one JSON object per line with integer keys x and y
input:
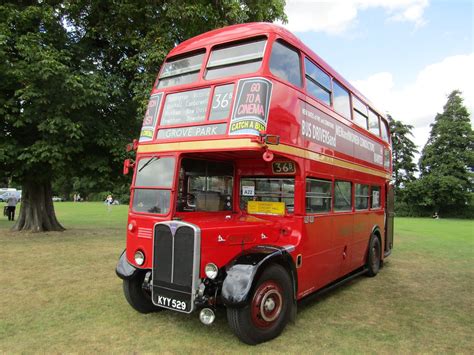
{"x": 418, "y": 102}
{"x": 337, "y": 16}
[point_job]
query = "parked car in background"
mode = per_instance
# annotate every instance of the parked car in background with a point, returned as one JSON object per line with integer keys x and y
{"x": 57, "y": 199}
{"x": 6, "y": 195}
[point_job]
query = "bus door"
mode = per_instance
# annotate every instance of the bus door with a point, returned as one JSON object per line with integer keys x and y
{"x": 389, "y": 217}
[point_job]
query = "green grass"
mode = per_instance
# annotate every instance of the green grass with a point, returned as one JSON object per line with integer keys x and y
{"x": 59, "y": 293}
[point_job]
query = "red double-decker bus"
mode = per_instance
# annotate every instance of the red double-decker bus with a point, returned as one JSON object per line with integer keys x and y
{"x": 261, "y": 177}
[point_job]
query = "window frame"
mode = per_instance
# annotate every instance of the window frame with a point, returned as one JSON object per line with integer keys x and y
{"x": 310, "y": 195}
{"x": 281, "y": 193}
{"x": 379, "y": 207}
{"x": 341, "y": 86}
{"x": 181, "y": 72}
{"x": 229, "y": 63}
{"x": 378, "y": 122}
{"x": 367, "y": 197}
{"x": 293, "y": 49}
{"x": 357, "y": 106}
{"x": 165, "y": 188}
{"x": 314, "y": 81}
{"x": 351, "y": 209}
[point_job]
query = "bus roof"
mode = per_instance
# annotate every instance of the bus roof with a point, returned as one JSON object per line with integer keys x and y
{"x": 241, "y": 31}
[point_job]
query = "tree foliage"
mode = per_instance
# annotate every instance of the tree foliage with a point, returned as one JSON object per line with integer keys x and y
{"x": 75, "y": 79}
{"x": 403, "y": 152}
{"x": 447, "y": 160}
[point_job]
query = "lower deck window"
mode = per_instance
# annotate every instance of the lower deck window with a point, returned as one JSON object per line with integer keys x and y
{"x": 205, "y": 186}
{"x": 318, "y": 196}
{"x": 268, "y": 190}
{"x": 361, "y": 197}
{"x": 342, "y": 196}
{"x": 375, "y": 200}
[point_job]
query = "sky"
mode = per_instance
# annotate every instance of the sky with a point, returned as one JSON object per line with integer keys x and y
{"x": 405, "y": 56}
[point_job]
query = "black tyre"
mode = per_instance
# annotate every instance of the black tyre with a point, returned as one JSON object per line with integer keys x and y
{"x": 373, "y": 257}
{"x": 137, "y": 296}
{"x": 269, "y": 308}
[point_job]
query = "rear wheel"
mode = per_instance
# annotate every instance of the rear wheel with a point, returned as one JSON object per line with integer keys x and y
{"x": 373, "y": 258}
{"x": 269, "y": 310}
{"x": 137, "y": 296}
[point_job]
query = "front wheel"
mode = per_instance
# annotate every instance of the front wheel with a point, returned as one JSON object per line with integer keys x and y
{"x": 137, "y": 296}
{"x": 269, "y": 310}
{"x": 373, "y": 258}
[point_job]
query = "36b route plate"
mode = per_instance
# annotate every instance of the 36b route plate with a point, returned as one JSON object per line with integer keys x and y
{"x": 283, "y": 167}
{"x": 171, "y": 299}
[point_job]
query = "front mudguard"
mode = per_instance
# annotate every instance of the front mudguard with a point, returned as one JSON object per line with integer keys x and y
{"x": 124, "y": 270}
{"x": 244, "y": 270}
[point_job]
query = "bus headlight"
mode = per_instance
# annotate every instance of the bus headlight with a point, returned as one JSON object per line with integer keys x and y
{"x": 139, "y": 258}
{"x": 211, "y": 271}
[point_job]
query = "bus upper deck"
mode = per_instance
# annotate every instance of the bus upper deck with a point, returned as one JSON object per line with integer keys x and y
{"x": 233, "y": 83}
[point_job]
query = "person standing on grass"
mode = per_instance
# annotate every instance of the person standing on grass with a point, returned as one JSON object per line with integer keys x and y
{"x": 11, "y": 207}
{"x": 109, "y": 200}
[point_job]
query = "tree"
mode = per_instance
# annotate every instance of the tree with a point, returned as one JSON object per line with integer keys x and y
{"x": 447, "y": 160}
{"x": 75, "y": 79}
{"x": 403, "y": 152}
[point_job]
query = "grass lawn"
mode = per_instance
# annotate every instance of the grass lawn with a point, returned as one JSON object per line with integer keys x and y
{"x": 59, "y": 293}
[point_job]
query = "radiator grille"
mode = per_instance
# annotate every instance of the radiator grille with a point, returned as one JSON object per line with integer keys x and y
{"x": 176, "y": 248}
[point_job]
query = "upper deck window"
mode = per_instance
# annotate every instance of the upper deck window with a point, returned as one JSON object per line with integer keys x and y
{"x": 318, "y": 82}
{"x": 285, "y": 63}
{"x": 240, "y": 58}
{"x": 341, "y": 100}
{"x": 183, "y": 70}
{"x": 384, "y": 131}
{"x": 360, "y": 112}
{"x": 374, "y": 126}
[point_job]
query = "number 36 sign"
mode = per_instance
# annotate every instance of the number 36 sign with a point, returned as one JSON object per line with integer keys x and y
{"x": 283, "y": 167}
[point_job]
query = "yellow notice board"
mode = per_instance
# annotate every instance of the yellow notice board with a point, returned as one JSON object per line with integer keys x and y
{"x": 265, "y": 207}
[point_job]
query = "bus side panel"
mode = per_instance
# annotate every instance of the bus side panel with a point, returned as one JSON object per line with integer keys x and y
{"x": 362, "y": 229}
{"x": 320, "y": 257}
{"x": 343, "y": 225}
{"x": 368, "y": 220}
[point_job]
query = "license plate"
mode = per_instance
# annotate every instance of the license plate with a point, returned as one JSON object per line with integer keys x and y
{"x": 170, "y": 299}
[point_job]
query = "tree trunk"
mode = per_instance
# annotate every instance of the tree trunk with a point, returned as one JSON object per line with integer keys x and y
{"x": 37, "y": 209}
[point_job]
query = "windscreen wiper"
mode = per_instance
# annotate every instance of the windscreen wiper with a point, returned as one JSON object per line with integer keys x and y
{"x": 152, "y": 159}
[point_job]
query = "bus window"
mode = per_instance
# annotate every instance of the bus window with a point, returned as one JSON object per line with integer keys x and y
{"x": 374, "y": 126}
{"x": 153, "y": 185}
{"x": 205, "y": 186}
{"x": 318, "y": 196}
{"x": 342, "y": 196}
{"x": 180, "y": 71}
{"x": 285, "y": 63}
{"x": 361, "y": 197}
{"x": 360, "y": 112}
{"x": 375, "y": 200}
{"x": 240, "y": 58}
{"x": 384, "y": 131}
{"x": 341, "y": 101}
{"x": 318, "y": 82}
{"x": 267, "y": 189}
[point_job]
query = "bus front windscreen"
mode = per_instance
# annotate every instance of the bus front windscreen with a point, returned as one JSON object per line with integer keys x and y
{"x": 153, "y": 182}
